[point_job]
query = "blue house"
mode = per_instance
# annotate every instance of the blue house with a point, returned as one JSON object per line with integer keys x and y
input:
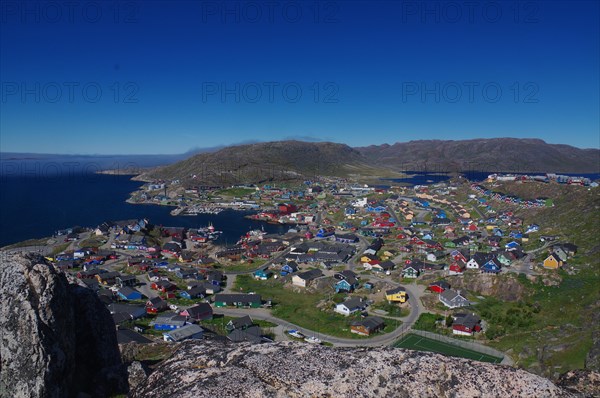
{"x": 325, "y": 232}
{"x": 349, "y": 211}
{"x": 262, "y": 274}
{"x": 515, "y": 234}
{"x": 343, "y": 286}
{"x": 289, "y": 268}
{"x": 128, "y": 293}
{"x": 168, "y": 321}
{"x": 193, "y": 293}
{"x": 492, "y": 266}
{"x": 512, "y": 245}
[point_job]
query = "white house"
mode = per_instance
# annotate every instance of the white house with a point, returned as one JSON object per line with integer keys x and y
{"x": 350, "y": 306}
{"x": 304, "y": 279}
{"x": 453, "y": 299}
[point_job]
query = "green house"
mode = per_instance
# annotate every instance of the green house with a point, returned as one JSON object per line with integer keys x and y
{"x": 410, "y": 272}
{"x": 238, "y": 300}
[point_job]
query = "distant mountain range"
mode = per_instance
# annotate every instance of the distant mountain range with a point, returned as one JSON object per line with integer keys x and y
{"x": 292, "y": 160}
{"x": 497, "y": 154}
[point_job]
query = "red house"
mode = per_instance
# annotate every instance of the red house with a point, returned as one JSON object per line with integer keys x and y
{"x": 286, "y": 208}
{"x": 156, "y": 305}
{"x": 198, "y": 312}
{"x": 457, "y": 267}
{"x": 439, "y": 286}
{"x": 163, "y": 286}
{"x": 466, "y": 324}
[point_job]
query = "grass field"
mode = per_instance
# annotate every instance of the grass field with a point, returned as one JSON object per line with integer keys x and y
{"x": 418, "y": 343}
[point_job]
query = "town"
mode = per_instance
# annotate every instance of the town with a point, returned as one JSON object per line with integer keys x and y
{"x": 359, "y": 264}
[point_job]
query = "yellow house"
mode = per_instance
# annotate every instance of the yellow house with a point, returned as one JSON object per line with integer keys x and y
{"x": 396, "y": 295}
{"x": 553, "y": 262}
{"x": 365, "y": 259}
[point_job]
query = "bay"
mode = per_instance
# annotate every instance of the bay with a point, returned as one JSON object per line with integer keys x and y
{"x": 36, "y": 207}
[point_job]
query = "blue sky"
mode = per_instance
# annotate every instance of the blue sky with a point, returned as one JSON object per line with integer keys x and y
{"x": 164, "y": 77}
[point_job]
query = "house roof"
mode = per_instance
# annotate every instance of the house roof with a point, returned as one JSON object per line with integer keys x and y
{"x": 395, "y": 290}
{"x": 252, "y": 335}
{"x": 311, "y": 274}
{"x": 370, "y": 322}
{"x": 450, "y": 295}
{"x": 129, "y": 336}
{"x": 442, "y": 284}
{"x": 199, "y": 309}
{"x": 238, "y": 297}
{"x": 184, "y": 332}
{"x": 157, "y": 302}
{"x": 196, "y": 290}
{"x": 126, "y": 308}
{"x": 241, "y": 323}
{"x": 387, "y": 265}
{"x": 468, "y": 320}
{"x": 170, "y": 318}
{"x": 353, "y": 303}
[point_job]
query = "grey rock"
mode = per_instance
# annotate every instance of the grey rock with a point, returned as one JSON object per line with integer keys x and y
{"x": 289, "y": 369}
{"x": 582, "y": 383}
{"x": 57, "y": 339}
{"x": 137, "y": 374}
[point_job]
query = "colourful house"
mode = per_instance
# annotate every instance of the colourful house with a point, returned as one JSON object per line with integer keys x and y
{"x": 492, "y": 266}
{"x": 262, "y": 274}
{"x": 238, "y": 300}
{"x": 553, "y": 262}
{"x": 396, "y": 295}
{"x": 343, "y": 286}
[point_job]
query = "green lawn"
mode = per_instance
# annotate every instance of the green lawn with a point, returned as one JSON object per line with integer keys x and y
{"x": 60, "y": 248}
{"x": 239, "y": 266}
{"x": 236, "y": 192}
{"x": 300, "y": 308}
{"x": 427, "y": 322}
{"x": 29, "y": 242}
{"x": 418, "y": 343}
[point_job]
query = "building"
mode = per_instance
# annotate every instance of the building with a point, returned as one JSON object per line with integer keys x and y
{"x": 128, "y": 293}
{"x": 367, "y": 326}
{"x": 350, "y": 306}
{"x": 453, "y": 299}
{"x": 439, "y": 286}
{"x": 186, "y": 332}
{"x": 466, "y": 324}
{"x": 552, "y": 262}
{"x": 396, "y": 295}
{"x": 238, "y": 300}
{"x": 168, "y": 321}
{"x": 198, "y": 312}
{"x": 304, "y": 279}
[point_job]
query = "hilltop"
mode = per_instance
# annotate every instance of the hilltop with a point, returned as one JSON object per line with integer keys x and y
{"x": 270, "y": 161}
{"x": 296, "y": 160}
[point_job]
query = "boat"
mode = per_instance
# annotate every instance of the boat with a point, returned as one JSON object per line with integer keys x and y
{"x": 296, "y": 334}
{"x": 312, "y": 340}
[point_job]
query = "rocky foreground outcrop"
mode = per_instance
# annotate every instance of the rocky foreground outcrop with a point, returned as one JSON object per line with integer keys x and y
{"x": 291, "y": 369}
{"x": 56, "y": 337}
